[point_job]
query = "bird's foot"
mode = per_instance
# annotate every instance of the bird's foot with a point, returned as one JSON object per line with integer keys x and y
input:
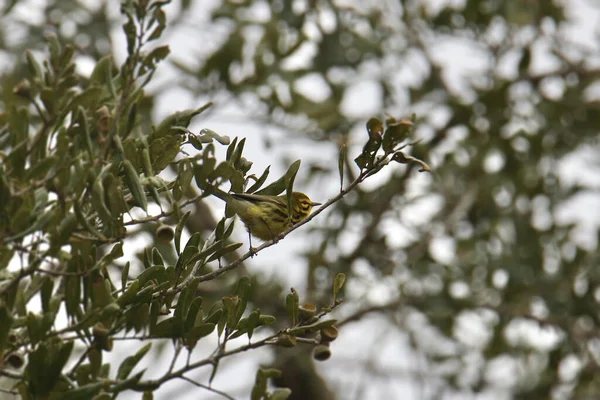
{"x": 253, "y": 251}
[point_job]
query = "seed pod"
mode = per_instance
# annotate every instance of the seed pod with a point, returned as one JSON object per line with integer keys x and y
{"x": 165, "y": 233}
{"x": 23, "y": 89}
{"x": 15, "y": 360}
{"x": 321, "y": 352}
{"x": 307, "y": 311}
{"x": 329, "y": 334}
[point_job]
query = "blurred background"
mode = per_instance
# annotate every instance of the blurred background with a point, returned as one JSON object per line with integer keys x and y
{"x": 479, "y": 280}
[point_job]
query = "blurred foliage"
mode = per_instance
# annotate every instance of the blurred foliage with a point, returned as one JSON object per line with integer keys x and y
{"x": 494, "y": 132}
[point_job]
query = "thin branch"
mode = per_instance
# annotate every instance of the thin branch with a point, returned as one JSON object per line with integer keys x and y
{"x": 362, "y": 313}
{"x": 380, "y": 163}
{"x": 9, "y": 392}
{"x": 200, "y": 385}
{"x": 153, "y": 218}
{"x": 178, "y": 348}
{"x": 281, "y": 236}
{"x": 78, "y": 363}
{"x": 154, "y": 383}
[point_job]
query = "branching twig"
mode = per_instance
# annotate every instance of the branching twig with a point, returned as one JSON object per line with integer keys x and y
{"x": 153, "y": 218}
{"x": 193, "y": 382}
{"x": 154, "y": 383}
{"x": 216, "y": 273}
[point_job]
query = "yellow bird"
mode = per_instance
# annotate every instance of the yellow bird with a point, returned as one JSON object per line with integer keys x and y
{"x": 265, "y": 216}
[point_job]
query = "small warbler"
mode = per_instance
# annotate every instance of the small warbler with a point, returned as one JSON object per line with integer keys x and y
{"x": 266, "y": 216}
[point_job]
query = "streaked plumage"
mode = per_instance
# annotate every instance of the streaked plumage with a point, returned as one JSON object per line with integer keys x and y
{"x": 266, "y": 217}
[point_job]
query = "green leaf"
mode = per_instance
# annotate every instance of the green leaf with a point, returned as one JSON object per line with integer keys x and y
{"x": 243, "y": 293}
{"x": 161, "y": 18}
{"x": 266, "y": 320}
{"x": 115, "y": 253}
{"x": 156, "y": 55}
{"x": 237, "y": 153}
{"x": 34, "y": 328}
{"x": 125, "y": 274}
{"x": 98, "y": 202}
{"x": 231, "y": 149}
{"x": 338, "y": 283}
{"x": 224, "y": 171}
{"x": 190, "y": 251}
{"x": 185, "y": 175}
{"x": 6, "y": 321}
{"x": 183, "y": 303}
{"x": 102, "y": 70}
{"x": 253, "y": 321}
{"x": 289, "y": 190}
{"x": 42, "y": 168}
{"x": 129, "y": 383}
{"x": 260, "y": 181}
{"x": 178, "y": 119}
{"x": 34, "y": 67}
{"x": 95, "y": 356}
{"x": 204, "y": 169}
{"x": 259, "y": 391}
{"x": 302, "y": 330}
{"x": 157, "y": 257}
{"x": 46, "y": 293}
{"x": 282, "y": 183}
{"x": 130, "y": 362}
{"x": 402, "y": 158}
{"x": 137, "y": 317}
{"x": 101, "y": 295}
{"x": 292, "y": 302}
{"x": 374, "y": 128}
{"x": 396, "y": 132}
{"x": 148, "y": 395}
{"x": 179, "y": 230}
{"x": 147, "y": 258}
{"x": 214, "y": 314}
{"x": 156, "y": 272}
{"x": 230, "y": 304}
{"x": 197, "y": 332}
{"x": 45, "y": 365}
{"x": 65, "y": 229}
{"x": 115, "y": 196}
{"x": 207, "y": 135}
{"x": 341, "y": 163}
{"x": 83, "y": 392}
{"x": 54, "y": 47}
{"x": 163, "y": 151}
{"x": 370, "y": 149}
{"x": 224, "y": 250}
{"x": 146, "y": 163}
{"x": 6, "y": 255}
{"x": 130, "y": 294}
{"x": 135, "y": 185}
{"x": 195, "y": 313}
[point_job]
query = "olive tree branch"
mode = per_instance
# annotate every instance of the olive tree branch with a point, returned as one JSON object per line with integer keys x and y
{"x": 380, "y": 163}
{"x": 210, "y": 389}
{"x": 155, "y": 383}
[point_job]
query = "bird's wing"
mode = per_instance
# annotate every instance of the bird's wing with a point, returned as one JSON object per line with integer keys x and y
{"x": 256, "y": 198}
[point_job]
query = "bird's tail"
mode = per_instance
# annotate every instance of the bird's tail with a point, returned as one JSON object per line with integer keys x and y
{"x": 222, "y": 195}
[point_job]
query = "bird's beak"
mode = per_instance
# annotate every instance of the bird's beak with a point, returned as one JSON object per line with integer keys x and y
{"x": 314, "y": 203}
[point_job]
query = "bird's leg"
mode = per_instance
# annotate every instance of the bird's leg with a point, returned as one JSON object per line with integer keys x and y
{"x": 252, "y": 249}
